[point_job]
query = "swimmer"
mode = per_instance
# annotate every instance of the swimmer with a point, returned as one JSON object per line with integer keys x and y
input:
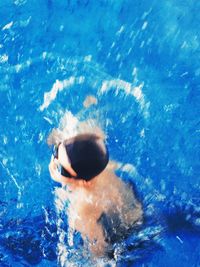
{"x": 102, "y": 208}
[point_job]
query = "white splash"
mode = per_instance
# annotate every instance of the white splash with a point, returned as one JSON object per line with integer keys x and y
{"x": 144, "y": 25}
{"x": 60, "y": 202}
{"x": 68, "y": 124}
{"x": 179, "y": 239}
{"x": 129, "y": 89}
{"x": 48, "y": 120}
{"x": 7, "y": 26}
{"x": 24, "y": 23}
{"x": 142, "y": 133}
{"x": 59, "y": 86}
{"x": 122, "y": 28}
{"x": 3, "y": 164}
{"x": 88, "y": 58}
{"x": 22, "y": 66}
{"x": 3, "y": 58}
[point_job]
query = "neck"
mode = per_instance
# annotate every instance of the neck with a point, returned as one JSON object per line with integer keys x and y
{"x": 74, "y": 184}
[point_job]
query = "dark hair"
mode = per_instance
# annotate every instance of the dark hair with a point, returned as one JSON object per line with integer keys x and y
{"x": 88, "y": 155}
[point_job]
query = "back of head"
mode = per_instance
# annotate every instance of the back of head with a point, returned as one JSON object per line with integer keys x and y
{"x": 88, "y": 155}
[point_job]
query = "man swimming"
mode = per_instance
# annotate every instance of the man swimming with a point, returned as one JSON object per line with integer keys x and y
{"x": 102, "y": 207}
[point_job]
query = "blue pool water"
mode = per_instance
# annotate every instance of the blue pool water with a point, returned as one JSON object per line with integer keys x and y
{"x": 140, "y": 59}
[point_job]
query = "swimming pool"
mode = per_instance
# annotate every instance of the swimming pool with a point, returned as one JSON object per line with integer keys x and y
{"x": 140, "y": 59}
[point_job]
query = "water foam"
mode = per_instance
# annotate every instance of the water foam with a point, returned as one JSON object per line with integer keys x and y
{"x": 130, "y": 89}
{"x": 59, "y": 86}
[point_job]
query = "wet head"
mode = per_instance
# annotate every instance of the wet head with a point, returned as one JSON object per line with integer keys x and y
{"x": 82, "y": 157}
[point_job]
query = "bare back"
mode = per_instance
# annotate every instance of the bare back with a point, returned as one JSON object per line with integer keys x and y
{"x": 104, "y": 211}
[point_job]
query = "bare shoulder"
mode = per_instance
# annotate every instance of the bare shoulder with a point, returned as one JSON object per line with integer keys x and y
{"x": 121, "y": 196}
